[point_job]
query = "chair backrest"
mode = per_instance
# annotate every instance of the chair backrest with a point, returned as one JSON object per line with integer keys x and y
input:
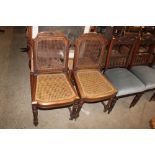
{"x": 89, "y": 51}
{"x": 120, "y": 50}
{"x": 143, "y": 52}
{"x": 51, "y": 52}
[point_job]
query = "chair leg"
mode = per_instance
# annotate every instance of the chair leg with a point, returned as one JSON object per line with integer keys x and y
{"x": 135, "y": 100}
{"x": 73, "y": 111}
{"x": 112, "y": 104}
{"x": 105, "y": 106}
{"x": 152, "y": 97}
{"x": 78, "y": 109}
{"x": 35, "y": 114}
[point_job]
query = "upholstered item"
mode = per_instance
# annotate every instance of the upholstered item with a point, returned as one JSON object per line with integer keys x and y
{"x": 146, "y": 75}
{"x": 92, "y": 84}
{"x": 153, "y": 66}
{"x": 54, "y": 89}
{"x": 124, "y": 81}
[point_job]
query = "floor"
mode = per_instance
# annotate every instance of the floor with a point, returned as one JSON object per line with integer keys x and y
{"x": 15, "y": 99}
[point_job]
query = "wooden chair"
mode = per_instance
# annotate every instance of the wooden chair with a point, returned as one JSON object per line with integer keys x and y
{"x": 141, "y": 60}
{"x": 119, "y": 55}
{"x": 92, "y": 86}
{"x": 50, "y": 83}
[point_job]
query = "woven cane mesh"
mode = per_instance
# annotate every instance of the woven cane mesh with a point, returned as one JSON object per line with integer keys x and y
{"x": 89, "y": 51}
{"x": 92, "y": 84}
{"x": 50, "y": 53}
{"x": 54, "y": 89}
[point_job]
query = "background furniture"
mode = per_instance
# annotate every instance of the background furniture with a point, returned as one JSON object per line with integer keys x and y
{"x": 50, "y": 83}
{"x": 119, "y": 55}
{"x": 141, "y": 60}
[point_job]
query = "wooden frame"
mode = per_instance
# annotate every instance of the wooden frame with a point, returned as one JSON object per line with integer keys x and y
{"x": 98, "y": 67}
{"x": 128, "y": 39}
{"x": 33, "y": 79}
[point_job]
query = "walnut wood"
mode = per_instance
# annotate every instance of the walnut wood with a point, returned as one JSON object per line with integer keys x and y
{"x": 35, "y": 114}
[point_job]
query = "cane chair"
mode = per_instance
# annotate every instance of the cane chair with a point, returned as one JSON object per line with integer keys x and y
{"x": 50, "y": 83}
{"x": 119, "y": 55}
{"x": 92, "y": 86}
{"x": 141, "y": 61}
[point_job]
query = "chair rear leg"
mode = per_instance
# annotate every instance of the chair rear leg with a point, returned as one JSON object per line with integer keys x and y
{"x": 135, "y": 100}
{"x": 35, "y": 114}
{"x": 74, "y": 110}
{"x": 106, "y": 106}
{"x": 112, "y": 104}
{"x": 78, "y": 109}
{"x": 152, "y": 97}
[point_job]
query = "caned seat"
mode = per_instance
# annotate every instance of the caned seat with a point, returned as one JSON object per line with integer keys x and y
{"x": 93, "y": 85}
{"x": 126, "y": 82}
{"x": 146, "y": 75}
{"x": 54, "y": 89}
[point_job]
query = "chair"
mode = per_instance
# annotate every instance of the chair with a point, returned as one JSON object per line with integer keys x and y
{"x": 50, "y": 83}
{"x": 119, "y": 55}
{"x": 141, "y": 59}
{"x": 92, "y": 86}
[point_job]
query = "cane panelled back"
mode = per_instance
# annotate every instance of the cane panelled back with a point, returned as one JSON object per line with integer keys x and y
{"x": 120, "y": 50}
{"x": 144, "y": 50}
{"x": 89, "y": 51}
{"x": 51, "y": 52}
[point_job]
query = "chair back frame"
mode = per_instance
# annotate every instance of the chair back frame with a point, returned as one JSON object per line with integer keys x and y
{"x": 49, "y": 41}
{"x": 121, "y": 60}
{"x": 89, "y": 42}
{"x": 143, "y": 58}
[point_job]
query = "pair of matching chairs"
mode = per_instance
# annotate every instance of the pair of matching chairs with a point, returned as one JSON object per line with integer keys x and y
{"x": 52, "y": 83}
{"x": 126, "y": 67}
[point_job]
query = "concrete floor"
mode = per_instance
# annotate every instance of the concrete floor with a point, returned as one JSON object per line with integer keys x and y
{"x": 15, "y": 99}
